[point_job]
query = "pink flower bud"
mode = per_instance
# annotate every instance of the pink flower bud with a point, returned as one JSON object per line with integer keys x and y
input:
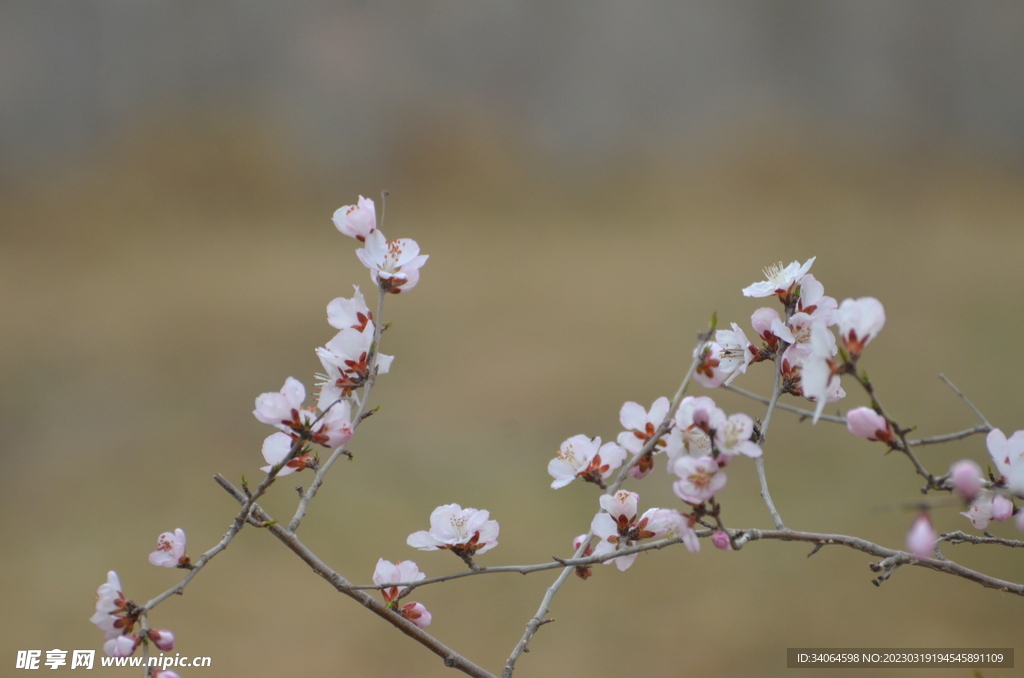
{"x": 1002, "y": 508}
{"x": 864, "y": 422}
{"x": 162, "y": 638}
{"x": 721, "y": 541}
{"x": 417, "y": 614}
{"x": 965, "y": 476}
{"x": 921, "y": 538}
{"x": 121, "y": 646}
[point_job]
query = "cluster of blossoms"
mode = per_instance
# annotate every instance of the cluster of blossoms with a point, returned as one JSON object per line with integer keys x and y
{"x": 406, "y": 571}
{"x": 349, "y": 360}
{"x": 116, "y": 616}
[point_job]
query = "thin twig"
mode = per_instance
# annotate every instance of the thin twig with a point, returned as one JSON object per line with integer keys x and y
{"x": 959, "y": 435}
{"x": 961, "y": 537}
{"x": 759, "y": 462}
{"x": 804, "y": 414}
{"x": 964, "y": 398}
{"x": 452, "y": 659}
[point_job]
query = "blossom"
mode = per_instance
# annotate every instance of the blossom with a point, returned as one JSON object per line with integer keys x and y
{"x": 170, "y": 550}
{"x": 583, "y": 571}
{"x": 121, "y": 646}
{"x": 1005, "y": 452}
{"x": 864, "y": 422}
{"x": 346, "y": 362}
{"x": 1002, "y": 508}
{"x": 721, "y": 541}
{"x": 112, "y": 609}
{"x": 732, "y": 437}
{"x": 387, "y": 572}
{"x": 860, "y": 321}
{"x": 343, "y": 313}
{"x": 709, "y": 373}
{"x": 763, "y": 320}
{"x": 780, "y": 280}
{"x": 980, "y": 511}
{"x": 736, "y": 352}
{"x": 356, "y": 221}
{"x": 581, "y": 457}
{"x": 162, "y": 638}
{"x": 617, "y": 527}
{"x": 463, "y": 531}
{"x": 699, "y": 479}
{"x": 640, "y": 427}
{"x": 394, "y": 265}
{"x": 817, "y": 381}
{"x": 281, "y": 409}
{"x": 276, "y": 448}
{"x": 965, "y": 476}
{"x": 921, "y": 539}
{"x": 813, "y": 300}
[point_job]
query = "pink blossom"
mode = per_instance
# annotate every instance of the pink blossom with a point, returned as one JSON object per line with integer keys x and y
{"x": 394, "y": 265}
{"x": 111, "y": 615}
{"x": 699, "y": 413}
{"x": 343, "y": 313}
{"x": 921, "y": 539}
{"x": 817, "y": 380}
{"x": 699, "y": 479}
{"x": 780, "y": 280}
{"x": 121, "y": 646}
{"x": 170, "y": 550}
{"x": 356, "y": 221}
{"x": 980, "y": 511}
{"x": 617, "y": 527}
{"x": 1005, "y": 451}
{"x": 721, "y": 541}
{"x": 965, "y": 476}
{"x": 387, "y": 572}
{"x": 417, "y": 614}
{"x": 763, "y": 320}
{"x": 864, "y": 422}
{"x": 813, "y": 301}
{"x": 581, "y": 457}
{"x": 346, "y": 362}
{"x": 860, "y": 321}
{"x": 281, "y": 409}
{"x": 276, "y": 448}
{"x": 709, "y": 373}
{"x": 640, "y": 427}
{"x": 162, "y": 638}
{"x": 463, "y": 531}
{"x": 732, "y": 437}
{"x": 736, "y": 352}
{"x": 583, "y": 571}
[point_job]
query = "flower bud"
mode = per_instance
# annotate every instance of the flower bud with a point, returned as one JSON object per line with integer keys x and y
{"x": 965, "y": 476}
{"x": 721, "y": 541}
{"x": 864, "y": 422}
{"x": 1002, "y": 508}
{"x": 921, "y": 538}
{"x": 162, "y": 638}
{"x": 417, "y": 614}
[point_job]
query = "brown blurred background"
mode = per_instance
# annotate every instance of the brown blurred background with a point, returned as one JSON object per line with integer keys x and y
{"x": 591, "y": 181}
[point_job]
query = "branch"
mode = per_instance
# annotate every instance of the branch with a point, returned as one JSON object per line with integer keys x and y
{"x": 959, "y": 537}
{"x": 969, "y": 403}
{"x": 759, "y": 462}
{"x": 452, "y": 659}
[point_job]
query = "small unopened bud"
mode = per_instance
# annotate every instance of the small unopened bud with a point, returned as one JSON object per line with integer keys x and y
{"x": 162, "y": 638}
{"x": 721, "y": 541}
{"x": 1002, "y": 508}
{"x": 921, "y": 538}
{"x": 864, "y": 422}
{"x": 417, "y": 614}
{"x": 965, "y": 476}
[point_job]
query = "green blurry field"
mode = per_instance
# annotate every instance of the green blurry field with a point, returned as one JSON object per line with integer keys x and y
{"x": 151, "y": 294}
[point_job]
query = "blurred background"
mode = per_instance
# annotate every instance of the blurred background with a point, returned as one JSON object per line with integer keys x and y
{"x": 591, "y": 181}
